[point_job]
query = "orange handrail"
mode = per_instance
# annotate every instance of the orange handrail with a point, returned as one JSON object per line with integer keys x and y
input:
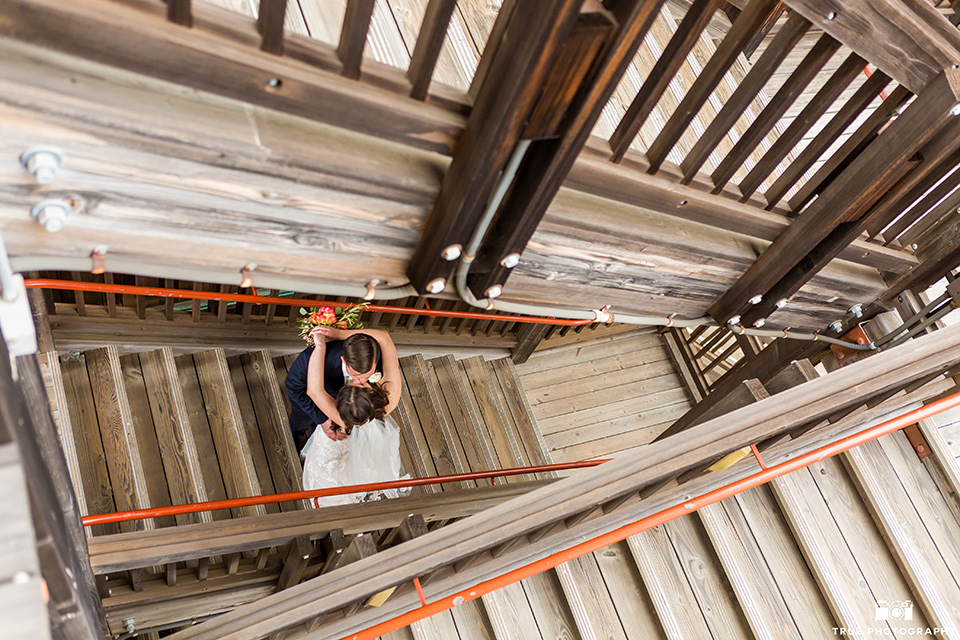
{"x": 70, "y": 285}
{"x": 688, "y": 506}
{"x": 214, "y": 505}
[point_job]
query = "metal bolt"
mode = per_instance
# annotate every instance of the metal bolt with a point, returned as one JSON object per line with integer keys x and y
{"x": 781, "y": 303}
{"x": 510, "y": 260}
{"x": 756, "y": 299}
{"x": 494, "y": 291}
{"x": 452, "y": 252}
{"x": 856, "y": 310}
{"x": 683, "y": 203}
{"x": 276, "y": 83}
{"x": 914, "y": 246}
{"x": 436, "y": 285}
{"x": 955, "y": 111}
{"x": 836, "y": 326}
{"x": 734, "y": 320}
{"x": 759, "y": 323}
{"x": 51, "y": 214}
{"x": 42, "y": 162}
{"x": 130, "y": 625}
{"x": 831, "y": 15}
{"x": 21, "y": 577}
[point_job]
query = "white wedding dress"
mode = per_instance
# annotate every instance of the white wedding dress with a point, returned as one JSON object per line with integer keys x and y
{"x": 370, "y": 454}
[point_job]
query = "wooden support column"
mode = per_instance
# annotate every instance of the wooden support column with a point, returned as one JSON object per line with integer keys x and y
{"x": 436, "y": 19}
{"x": 353, "y": 36}
{"x": 521, "y": 64}
{"x": 548, "y": 162}
{"x": 270, "y": 25}
{"x": 528, "y": 337}
{"x": 682, "y": 357}
{"x": 846, "y": 200}
{"x": 179, "y": 12}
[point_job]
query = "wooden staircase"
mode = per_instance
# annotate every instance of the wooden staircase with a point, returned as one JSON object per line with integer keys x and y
{"x": 812, "y": 551}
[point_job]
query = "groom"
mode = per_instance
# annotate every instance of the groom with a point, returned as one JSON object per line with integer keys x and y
{"x": 357, "y": 357}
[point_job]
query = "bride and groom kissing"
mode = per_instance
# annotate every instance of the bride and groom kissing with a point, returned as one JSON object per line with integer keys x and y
{"x": 344, "y": 388}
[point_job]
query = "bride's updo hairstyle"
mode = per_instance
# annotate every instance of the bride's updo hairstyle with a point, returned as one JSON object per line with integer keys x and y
{"x": 360, "y": 405}
{"x": 361, "y": 352}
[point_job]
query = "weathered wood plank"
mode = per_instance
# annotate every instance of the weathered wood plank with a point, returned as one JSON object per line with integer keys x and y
{"x": 429, "y": 45}
{"x": 226, "y": 427}
{"x": 120, "y": 442}
{"x": 677, "y": 608}
{"x": 591, "y": 604}
{"x": 251, "y": 428}
{"x": 267, "y": 396}
{"x": 353, "y": 36}
{"x": 178, "y": 449}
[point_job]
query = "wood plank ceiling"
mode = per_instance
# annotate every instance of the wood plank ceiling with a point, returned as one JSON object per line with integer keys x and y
{"x": 665, "y": 174}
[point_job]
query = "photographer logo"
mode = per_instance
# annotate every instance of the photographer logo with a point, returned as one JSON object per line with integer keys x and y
{"x": 894, "y": 610}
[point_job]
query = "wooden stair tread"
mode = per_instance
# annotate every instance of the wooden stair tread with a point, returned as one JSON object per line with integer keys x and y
{"x": 510, "y": 614}
{"x": 593, "y": 609}
{"x": 175, "y": 436}
{"x": 549, "y": 606}
{"x": 906, "y": 533}
{"x": 847, "y": 580}
{"x": 630, "y": 598}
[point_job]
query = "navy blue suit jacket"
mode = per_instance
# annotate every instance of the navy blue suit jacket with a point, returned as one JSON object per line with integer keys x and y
{"x": 333, "y": 381}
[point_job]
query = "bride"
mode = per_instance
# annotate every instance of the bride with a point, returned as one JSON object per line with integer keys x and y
{"x": 366, "y": 448}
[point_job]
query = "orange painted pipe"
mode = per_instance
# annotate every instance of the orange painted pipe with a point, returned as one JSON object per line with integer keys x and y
{"x": 213, "y": 505}
{"x": 70, "y": 285}
{"x": 868, "y": 73}
{"x": 688, "y": 506}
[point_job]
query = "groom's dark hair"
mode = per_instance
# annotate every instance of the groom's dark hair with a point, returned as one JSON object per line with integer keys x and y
{"x": 361, "y": 352}
{"x": 360, "y": 405}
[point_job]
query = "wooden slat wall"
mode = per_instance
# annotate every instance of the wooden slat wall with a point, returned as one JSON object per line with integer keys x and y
{"x": 604, "y": 396}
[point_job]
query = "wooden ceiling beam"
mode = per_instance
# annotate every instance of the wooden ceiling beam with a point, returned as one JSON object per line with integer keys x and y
{"x": 874, "y": 172}
{"x": 744, "y": 28}
{"x": 353, "y": 36}
{"x": 436, "y": 20}
{"x": 220, "y": 55}
{"x": 549, "y": 161}
{"x": 520, "y": 66}
{"x": 666, "y": 67}
{"x": 909, "y": 40}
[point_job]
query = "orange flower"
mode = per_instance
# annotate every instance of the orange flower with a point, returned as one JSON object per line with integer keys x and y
{"x": 324, "y": 315}
{"x": 342, "y": 324}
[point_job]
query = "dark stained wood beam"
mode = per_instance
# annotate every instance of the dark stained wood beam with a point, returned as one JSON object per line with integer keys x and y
{"x": 353, "y": 36}
{"x": 866, "y": 94}
{"x": 745, "y": 27}
{"x": 429, "y": 43}
{"x": 673, "y": 57}
{"x": 917, "y": 201}
{"x": 528, "y": 337}
{"x": 270, "y": 25}
{"x": 792, "y": 89}
{"x": 548, "y": 163}
{"x": 760, "y": 72}
{"x": 939, "y": 250}
{"x": 178, "y": 12}
{"x": 520, "y": 67}
{"x": 876, "y": 170}
{"x": 853, "y": 145}
{"x": 909, "y": 40}
{"x": 763, "y": 31}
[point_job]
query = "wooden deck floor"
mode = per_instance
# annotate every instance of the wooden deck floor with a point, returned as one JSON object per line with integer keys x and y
{"x": 604, "y": 396}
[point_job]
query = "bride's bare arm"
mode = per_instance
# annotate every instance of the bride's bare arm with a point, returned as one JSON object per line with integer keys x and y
{"x": 392, "y": 380}
{"x": 315, "y": 386}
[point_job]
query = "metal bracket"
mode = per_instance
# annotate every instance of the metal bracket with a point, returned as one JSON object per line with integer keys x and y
{"x": 917, "y": 441}
{"x": 854, "y": 335}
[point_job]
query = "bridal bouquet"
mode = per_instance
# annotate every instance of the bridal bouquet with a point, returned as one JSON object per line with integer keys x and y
{"x": 340, "y": 318}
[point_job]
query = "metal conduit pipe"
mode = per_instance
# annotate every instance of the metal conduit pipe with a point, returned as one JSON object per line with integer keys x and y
{"x": 7, "y": 292}
{"x": 909, "y": 322}
{"x": 939, "y": 313}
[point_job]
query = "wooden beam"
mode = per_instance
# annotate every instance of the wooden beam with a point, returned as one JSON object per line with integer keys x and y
{"x": 179, "y": 12}
{"x": 436, "y": 19}
{"x": 572, "y": 495}
{"x": 517, "y": 73}
{"x": 547, "y": 163}
{"x": 216, "y": 56}
{"x": 763, "y": 31}
{"x": 684, "y": 38}
{"x": 782, "y": 44}
{"x": 743, "y": 30}
{"x": 528, "y": 337}
{"x": 908, "y": 40}
{"x": 353, "y": 36}
{"x": 270, "y": 25}
{"x": 792, "y": 89}
{"x": 846, "y": 199}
